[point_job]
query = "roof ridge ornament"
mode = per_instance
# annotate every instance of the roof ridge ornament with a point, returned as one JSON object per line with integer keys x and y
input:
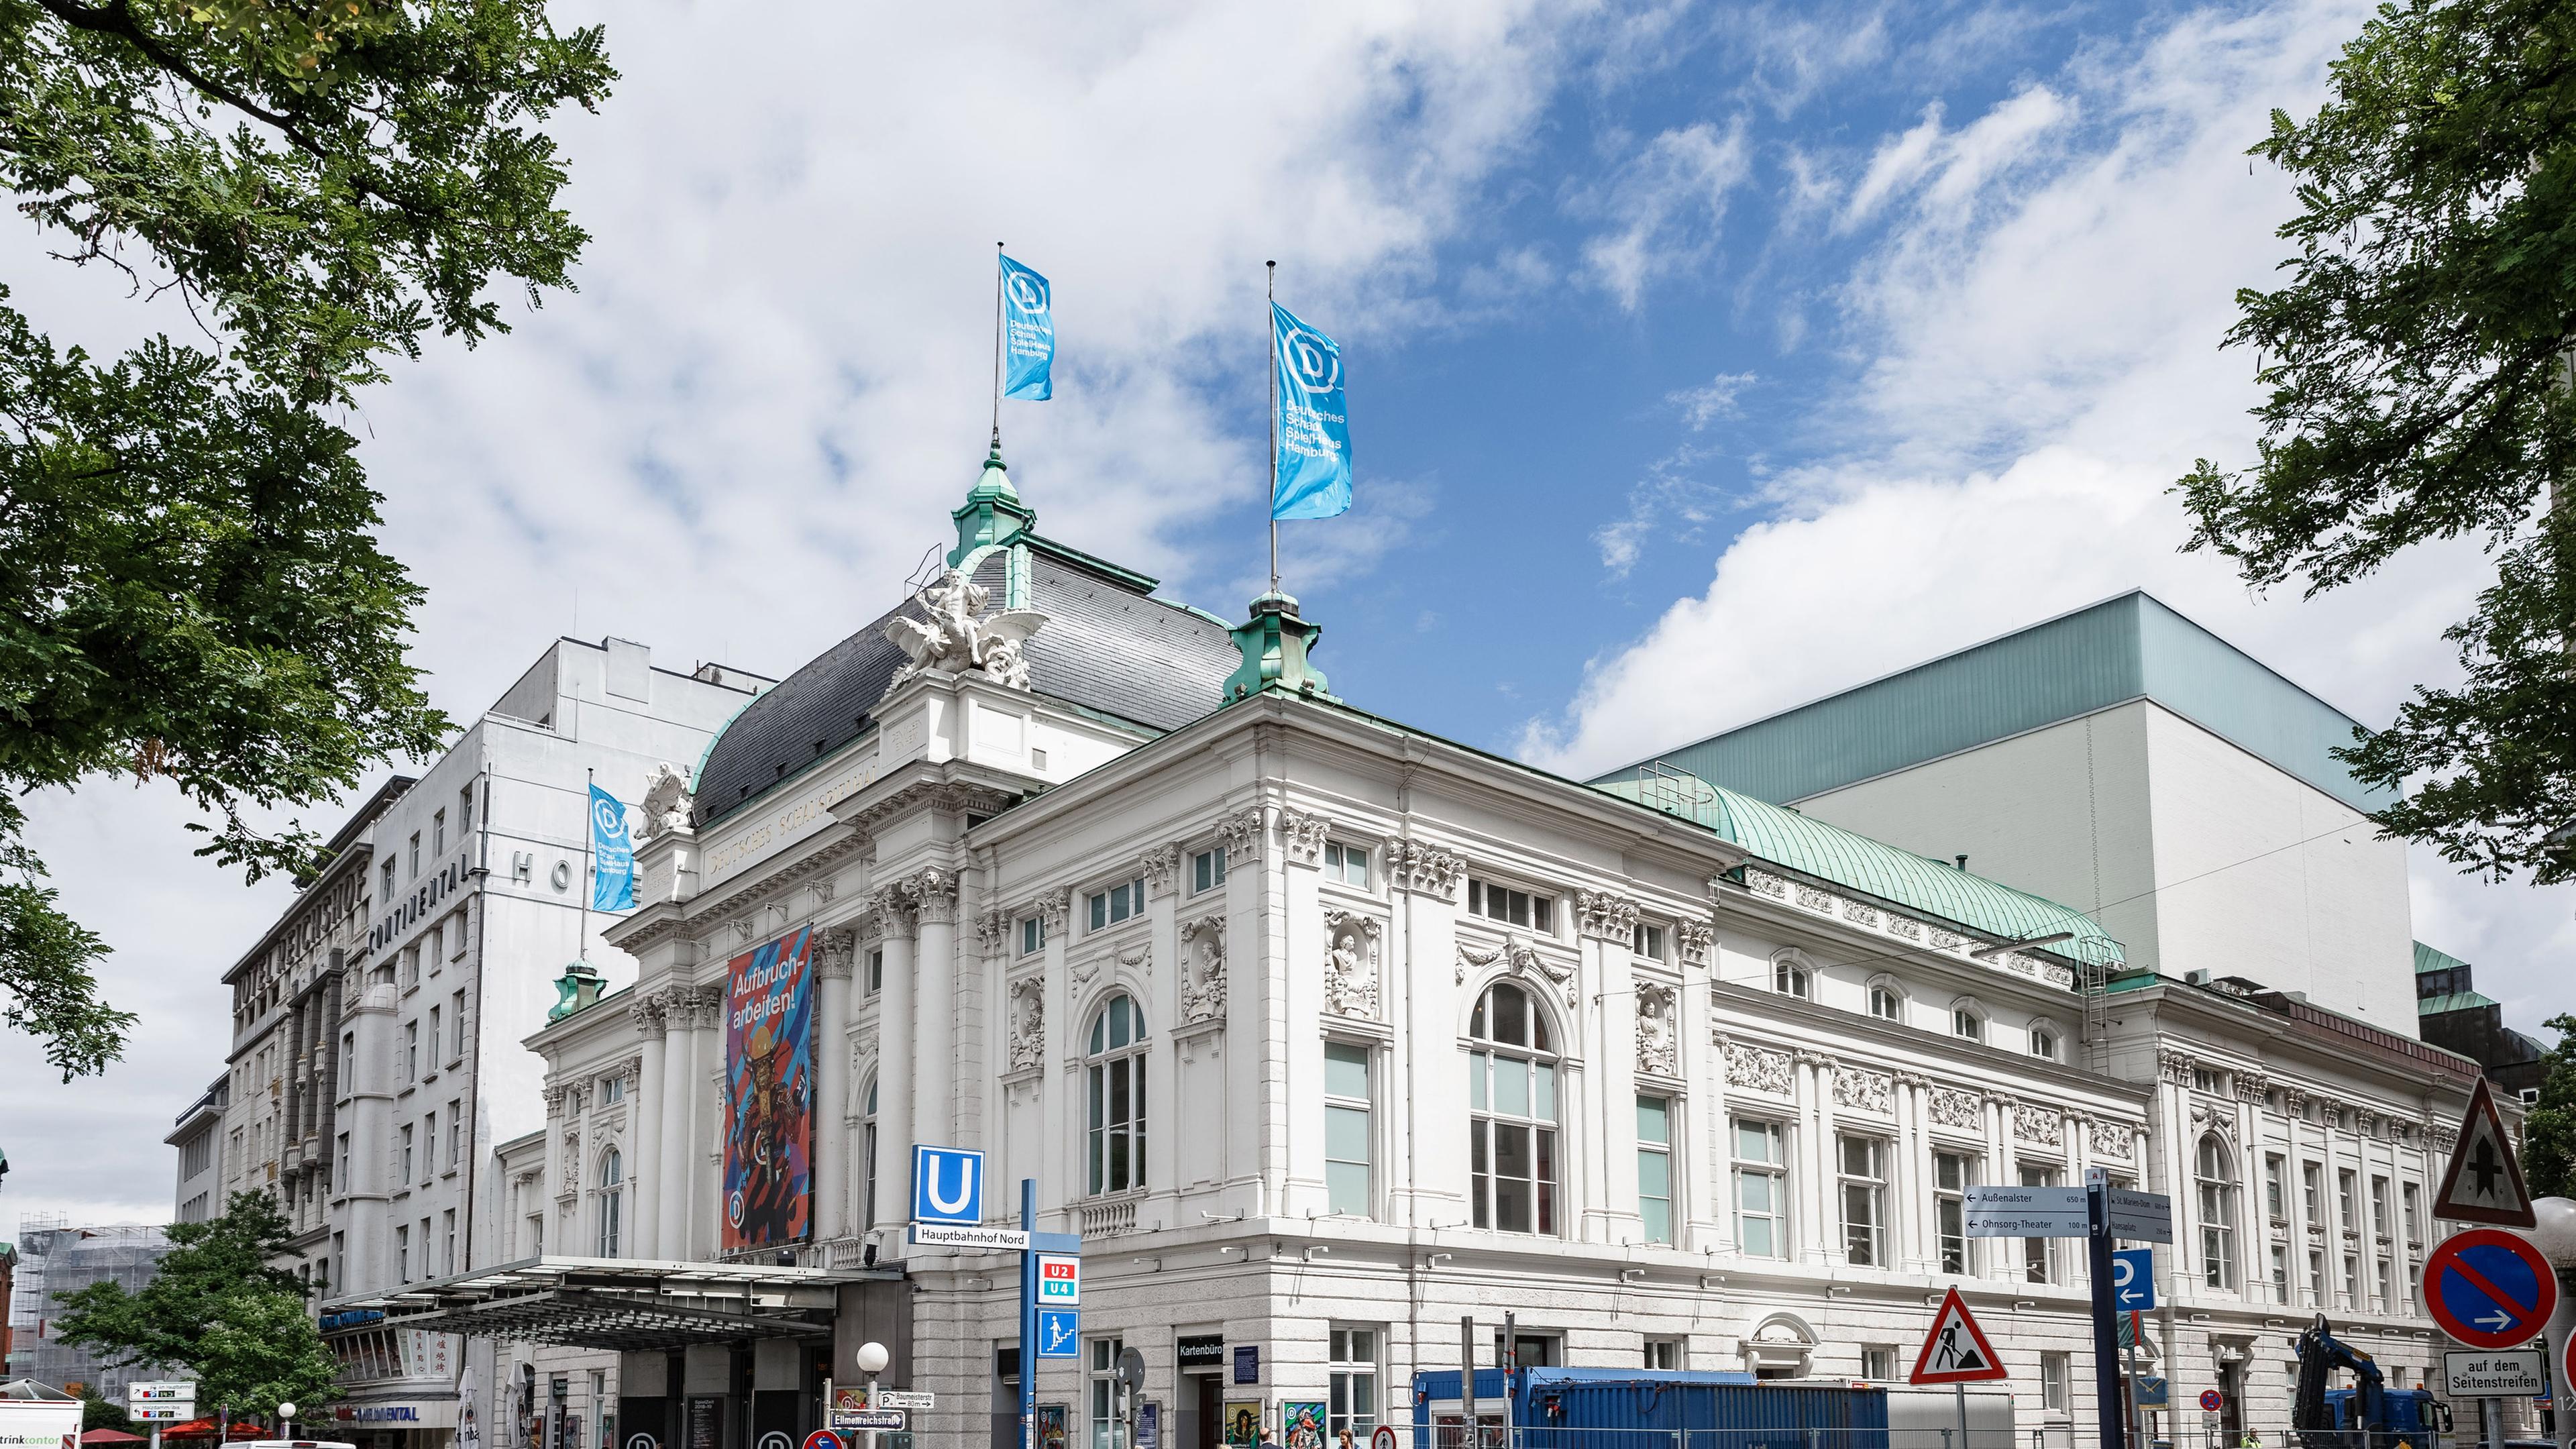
{"x": 1276, "y": 644}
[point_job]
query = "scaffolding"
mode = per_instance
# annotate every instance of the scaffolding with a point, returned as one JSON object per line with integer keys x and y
{"x": 55, "y": 1257}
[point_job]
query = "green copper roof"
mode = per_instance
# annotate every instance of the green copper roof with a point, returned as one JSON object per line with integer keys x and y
{"x": 2122, "y": 649}
{"x": 2429, "y": 959}
{"x": 2456, "y": 1001}
{"x": 1826, "y": 852}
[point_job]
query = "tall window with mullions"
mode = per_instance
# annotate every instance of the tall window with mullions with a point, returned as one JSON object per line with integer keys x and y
{"x": 1951, "y": 1174}
{"x": 1511, "y": 1101}
{"x": 1115, "y": 1075}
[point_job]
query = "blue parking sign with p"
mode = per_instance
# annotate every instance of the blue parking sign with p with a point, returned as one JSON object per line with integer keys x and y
{"x": 1059, "y": 1333}
{"x": 2133, "y": 1280}
{"x": 947, "y": 1185}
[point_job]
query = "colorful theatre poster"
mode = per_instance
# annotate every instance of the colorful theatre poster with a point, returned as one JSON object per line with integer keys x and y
{"x": 769, "y": 1094}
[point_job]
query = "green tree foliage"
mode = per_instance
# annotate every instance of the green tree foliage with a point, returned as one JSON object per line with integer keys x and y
{"x": 98, "y": 1413}
{"x": 217, "y": 1309}
{"x": 190, "y": 586}
{"x": 2417, "y": 367}
{"x": 2549, "y": 1128}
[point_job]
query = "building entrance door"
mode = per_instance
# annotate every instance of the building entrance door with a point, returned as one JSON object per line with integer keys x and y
{"x": 1210, "y": 1418}
{"x": 2231, "y": 1402}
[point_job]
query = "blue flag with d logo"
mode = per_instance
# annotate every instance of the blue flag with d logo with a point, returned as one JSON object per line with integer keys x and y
{"x": 612, "y": 876}
{"x": 1028, "y": 334}
{"x": 1314, "y": 475}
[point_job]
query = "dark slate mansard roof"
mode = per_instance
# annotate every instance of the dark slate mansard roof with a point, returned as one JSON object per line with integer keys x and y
{"x": 1108, "y": 646}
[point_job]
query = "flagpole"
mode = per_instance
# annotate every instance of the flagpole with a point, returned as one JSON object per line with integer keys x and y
{"x": 1270, "y": 329}
{"x": 590, "y": 862}
{"x": 997, "y": 349}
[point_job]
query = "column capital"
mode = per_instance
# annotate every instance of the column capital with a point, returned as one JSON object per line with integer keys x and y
{"x": 832, "y": 961}
{"x": 934, "y": 895}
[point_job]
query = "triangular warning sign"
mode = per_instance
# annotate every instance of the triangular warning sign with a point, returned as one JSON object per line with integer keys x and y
{"x": 2484, "y": 1183}
{"x": 1956, "y": 1351}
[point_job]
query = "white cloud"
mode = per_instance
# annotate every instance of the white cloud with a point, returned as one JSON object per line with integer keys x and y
{"x": 2039, "y": 326}
{"x": 1711, "y": 400}
{"x": 740, "y": 434}
{"x": 1663, "y": 207}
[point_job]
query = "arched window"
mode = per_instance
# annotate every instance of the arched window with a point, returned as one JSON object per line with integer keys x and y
{"x": 1789, "y": 977}
{"x": 1115, "y": 1070}
{"x": 1886, "y": 999}
{"x": 2214, "y": 1171}
{"x": 1511, "y": 1096}
{"x": 612, "y": 1201}
{"x": 868, "y": 1155}
{"x": 2043, "y": 1040}
{"x": 1968, "y": 1020}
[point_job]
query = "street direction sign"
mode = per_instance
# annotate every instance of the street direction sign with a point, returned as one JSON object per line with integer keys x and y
{"x": 883, "y": 1420}
{"x": 2211, "y": 1400}
{"x": 2484, "y": 1183}
{"x": 1997, "y": 1211}
{"x": 2489, "y": 1288}
{"x": 2133, "y": 1280}
{"x": 163, "y": 1411}
{"x": 143, "y": 1391}
{"x": 1059, "y": 1333}
{"x": 947, "y": 1185}
{"x": 2478, "y": 1374}
{"x": 952, "y": 1235}
{"x": 823, "y": 1439}
{"x": 904, "y": 1399}
{"x": 1956, "y": 1351}
{"x": 1059, "y": 1280}
{"x": 2139, "y": 1217}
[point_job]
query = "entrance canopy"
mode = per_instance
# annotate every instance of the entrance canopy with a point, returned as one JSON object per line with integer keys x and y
{"x": 611, "y": 1303}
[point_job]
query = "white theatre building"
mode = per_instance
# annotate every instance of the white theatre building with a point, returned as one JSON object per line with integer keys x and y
{"x": 1324, "y": 1031}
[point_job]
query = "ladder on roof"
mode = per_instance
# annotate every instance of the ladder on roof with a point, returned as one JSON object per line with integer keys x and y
{"x": 2096, "y": 987}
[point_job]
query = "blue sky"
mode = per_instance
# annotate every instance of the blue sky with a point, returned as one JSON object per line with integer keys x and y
{"x": 1702, "y": 360}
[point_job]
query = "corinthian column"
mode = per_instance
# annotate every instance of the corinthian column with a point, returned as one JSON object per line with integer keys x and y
{"x": 832, "y": 1085}
{"x": 706, "y": 1125}
{"x": 934, "y": 1009}
{"x": 647, "y": 1136}
{"x": 895, "y": 1051}
{"x": 671, "y": 1185}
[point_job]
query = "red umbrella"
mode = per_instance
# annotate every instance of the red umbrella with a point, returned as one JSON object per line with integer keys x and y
{"x": 110, "y": 1436}
{"x": 191, "y": 1429}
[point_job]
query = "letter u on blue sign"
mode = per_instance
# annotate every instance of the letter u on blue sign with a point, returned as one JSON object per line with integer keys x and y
{"x": 947, "y": 1185}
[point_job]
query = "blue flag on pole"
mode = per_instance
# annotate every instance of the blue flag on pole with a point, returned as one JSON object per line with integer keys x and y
{"x": 1028, "y": 334}
{"x": 612, "y": 879}
{"x": 1314, "y": 475}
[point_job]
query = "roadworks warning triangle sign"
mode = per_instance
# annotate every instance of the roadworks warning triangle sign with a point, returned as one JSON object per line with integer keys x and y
{"x": 1956, "y": 1351}
{"x": 2484, "y": 1183}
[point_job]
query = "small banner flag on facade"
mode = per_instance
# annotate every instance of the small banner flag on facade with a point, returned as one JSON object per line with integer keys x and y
{"x": 1314, "y": 474}
{"x": 612, "y": 877}
{"x": 1028, "y": 334}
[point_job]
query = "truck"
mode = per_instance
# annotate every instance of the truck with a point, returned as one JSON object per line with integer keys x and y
{"x": 2367, "y": 1415}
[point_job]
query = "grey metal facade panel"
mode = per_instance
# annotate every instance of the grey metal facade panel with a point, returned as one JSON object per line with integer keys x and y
{"x": 1104, "y": 647}
{"x": 2121, "y": 649}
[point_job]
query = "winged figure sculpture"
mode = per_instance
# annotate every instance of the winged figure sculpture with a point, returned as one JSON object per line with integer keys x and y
{"x": 959, "y": 637}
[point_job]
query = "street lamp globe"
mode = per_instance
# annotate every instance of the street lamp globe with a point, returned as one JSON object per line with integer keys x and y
{"x": 872, "y": 1358}
{"x": 286, "y": 1410}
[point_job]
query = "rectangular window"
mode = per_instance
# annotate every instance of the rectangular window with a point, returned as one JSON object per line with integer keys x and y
{"x": 1952, "y": 1172}
{"x": 415, "y": 855}
{"x": 2379, "y": 1206}
{"x": 1511, "y": 907}
{"x": 1117, "y": 1100}
{"x": 2038, "y": 1255}
{"x": 1106, "y": 1430}
{"x": 1663, "y": 1355}
{"x": 428, "y": 1155}
{"x": 464, "y": 810}
{"x": 2348, "y": 1198}
{"x": 1348, "y": 1101}
{"x": 2052, "y": 1382}
{"x": 438, "y": 832}
{"x": 402, "y": 1251}
{"x": 437, "y": 951}
{"x": 411, "y": 1051}
{"x": 1647, "y": 941}
{"x": 406, "y": 1154}
{"x": 2273, "y": 1206}
{"x": 613, "y": 1090}
{"x": 456, "y": 1019}
{"x": 1863, "y": 1162}
{"x": 1032, "y": 935}
{"x": 1207, "y": 870}
{"x": 2205, "y": 1080}
{"x": 1655, "y": 1167}
{"x": 2351, "y": 1280}
{"x": 448, "y": 1221}
{"x": 2387, "y": 1285}
{"x": 2312, "y": 1194}
{"x": 1117, "y": 903}
{"x": 433, "y": 1038}
{"x": 1878, "y": 1362}
{"x": 385, "y": 895}
{"x": 1353, "y": 1369}
{"x": 1761, "y": 1190}
{"x": 411, "y": 965}
{"x": 2316, "y": 1279}
{"x": 1512, "y": 1141}
{"x": 876, "y": 971}
{"x": 1347, "y": 864}
{"x": 2414, "y": 1212}
{"x": 456, "y": 1134}
{"x": 343, "y": 1174}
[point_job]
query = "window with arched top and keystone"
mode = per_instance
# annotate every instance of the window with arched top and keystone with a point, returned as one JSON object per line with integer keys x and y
{"x": 1886, "y": 998}
{"x": 2213, "y": 1173}
{"x": 1793, "y": 975}
{"x": 1967, "y": 1020}
{"x": 612, "y": 1201}
{"x": 2047, "y": 1042}
{"x": 1511, "y": 1103}
{"x": 1113, "y": 1072}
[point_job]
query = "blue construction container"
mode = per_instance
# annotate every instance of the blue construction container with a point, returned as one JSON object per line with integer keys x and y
{"x": 1570, "y": 1408}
